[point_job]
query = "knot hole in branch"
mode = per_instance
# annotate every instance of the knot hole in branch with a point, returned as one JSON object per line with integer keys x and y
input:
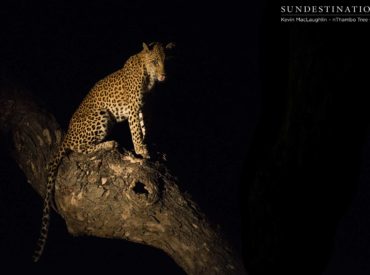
{"x": 139, "y": 188}
{"x": 144, "y": 191}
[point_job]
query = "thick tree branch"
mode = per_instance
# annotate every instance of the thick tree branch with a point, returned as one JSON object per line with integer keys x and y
{"x": 113, "y": 195}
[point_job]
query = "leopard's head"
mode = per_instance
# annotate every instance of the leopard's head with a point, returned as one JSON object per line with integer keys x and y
{"x": 154, "y": 58}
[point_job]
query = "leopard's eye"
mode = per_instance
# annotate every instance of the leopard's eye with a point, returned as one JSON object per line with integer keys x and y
{"x": 155, "y": 61}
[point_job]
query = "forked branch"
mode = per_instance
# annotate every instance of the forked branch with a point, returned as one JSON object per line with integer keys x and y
{"x": 115, "y": 195}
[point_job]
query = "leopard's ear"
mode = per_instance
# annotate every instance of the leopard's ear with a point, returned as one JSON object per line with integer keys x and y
{"x": 145, "y": 47}
{"x": 170, "y": 45}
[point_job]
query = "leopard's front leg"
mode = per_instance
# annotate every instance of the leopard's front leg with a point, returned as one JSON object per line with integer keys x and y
{"x": 142, "y": 125}
{"x": 137, "y": 134}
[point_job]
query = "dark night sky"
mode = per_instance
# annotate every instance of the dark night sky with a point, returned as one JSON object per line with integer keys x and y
{"x": 215, "y": 114}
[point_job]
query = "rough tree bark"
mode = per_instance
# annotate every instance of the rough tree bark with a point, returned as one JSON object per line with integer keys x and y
{"x": 113, "y": 195}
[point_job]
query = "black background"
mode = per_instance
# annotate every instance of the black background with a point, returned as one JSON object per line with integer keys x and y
{"x": 255, "y": 115}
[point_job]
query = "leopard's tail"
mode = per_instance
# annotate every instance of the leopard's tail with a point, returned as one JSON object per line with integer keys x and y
{"x": 52, "y": 170}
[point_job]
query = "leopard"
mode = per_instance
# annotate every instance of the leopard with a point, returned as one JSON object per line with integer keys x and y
{"x": 115, "y": 98}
